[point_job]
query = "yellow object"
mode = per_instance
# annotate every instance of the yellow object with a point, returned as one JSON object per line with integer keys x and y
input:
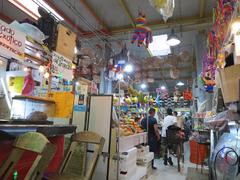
{"x": 64, "y": 103}
{"x": 158, "y": 4}
{"x": 16, "y": 84}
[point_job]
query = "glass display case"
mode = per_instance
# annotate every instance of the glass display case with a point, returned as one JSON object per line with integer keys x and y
{"x": 23, "y": 106}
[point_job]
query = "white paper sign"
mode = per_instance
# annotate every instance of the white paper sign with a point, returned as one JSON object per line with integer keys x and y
{"x": 12, "y": 42}
{"x": 61, "y": 66}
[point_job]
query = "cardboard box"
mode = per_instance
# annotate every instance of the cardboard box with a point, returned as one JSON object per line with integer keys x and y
{"x": 228, "y": 80}
{"x": 66, "y": 42}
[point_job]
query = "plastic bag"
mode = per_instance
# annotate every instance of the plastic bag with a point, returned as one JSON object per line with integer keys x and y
{"x": 165, "y": 7}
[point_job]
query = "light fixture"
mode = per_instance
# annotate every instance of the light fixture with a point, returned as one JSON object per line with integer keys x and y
{"x": 173, "y": 39}
{"x": 41, "y": 69}
{"x": 30, "y": 7}
{"x": 73, "y": 66}
{"x": 77, "y": 84}
{"x": 163, "y": 87}
{"x": 38, "y": 55}
{"x": 128, "y": 68}
{"x": 46, "y": 75}
{"x": 25, "y": 69}
{"x": 180, "y": 84}
{"x": 143, "y": 86}
{"x": 235, "y": 26}
{"x": 119, "y": 76}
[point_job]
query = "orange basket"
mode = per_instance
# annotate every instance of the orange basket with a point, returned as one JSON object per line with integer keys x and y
{"x": 198, "y": 152}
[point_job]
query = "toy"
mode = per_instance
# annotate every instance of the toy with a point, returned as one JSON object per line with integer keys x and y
{"x": 142, "y": 32}
{"x": 208, "y": 81}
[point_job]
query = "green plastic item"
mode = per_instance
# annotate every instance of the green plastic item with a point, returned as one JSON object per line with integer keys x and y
{"x": 15, "y": 175}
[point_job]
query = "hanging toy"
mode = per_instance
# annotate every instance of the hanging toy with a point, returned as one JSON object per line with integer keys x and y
{"x": 142, "y": 32}
{"x": 220, "y": 60}
{"x": 208, "y": 81}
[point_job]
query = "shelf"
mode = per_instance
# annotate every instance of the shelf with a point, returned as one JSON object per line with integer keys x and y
{"x": 32, "y": 98}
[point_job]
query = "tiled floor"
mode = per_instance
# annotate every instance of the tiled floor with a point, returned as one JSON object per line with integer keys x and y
{"x": 171, "y": 172}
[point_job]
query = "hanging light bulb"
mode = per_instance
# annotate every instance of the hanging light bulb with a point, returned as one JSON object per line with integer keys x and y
{"x": 143, "y": 86}
{"x": 120, "y": 76}
{"x": 73, "y": 66}
{"x": 25, "y": 69}
{"x": 163, "y": 87}
{"x": 46, "y": 75}
{"x": 41, "y": 69}
{"x": 38, "y": 55}
{"x": 128, "y": 68}
{"x": 173, "y": 39}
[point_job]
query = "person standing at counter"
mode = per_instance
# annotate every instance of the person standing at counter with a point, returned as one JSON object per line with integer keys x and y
{"x": 169, "y": 120}
{"x": 150, "y": 124}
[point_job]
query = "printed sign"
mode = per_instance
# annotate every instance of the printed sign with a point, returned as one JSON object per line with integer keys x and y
{"x": 12, "y": 42}
{"x": 61, "y": 66}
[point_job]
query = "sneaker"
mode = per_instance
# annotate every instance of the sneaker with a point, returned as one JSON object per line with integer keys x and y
{"x": 170, "y": 161}
{"x": 154, "y": 168}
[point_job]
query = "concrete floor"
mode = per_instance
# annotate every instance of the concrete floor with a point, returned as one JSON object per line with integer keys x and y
{"x": 171, "y": 172}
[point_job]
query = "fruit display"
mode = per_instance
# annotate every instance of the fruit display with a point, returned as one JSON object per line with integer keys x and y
{"x": 129, "y": 127}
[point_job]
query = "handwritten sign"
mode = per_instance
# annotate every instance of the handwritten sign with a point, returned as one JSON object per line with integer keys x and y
{"x": 61, "y": 66}
{"x": 12, "y": 42}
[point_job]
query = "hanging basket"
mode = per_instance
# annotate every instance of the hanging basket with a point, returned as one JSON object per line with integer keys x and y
{"x": 174, "y": 73}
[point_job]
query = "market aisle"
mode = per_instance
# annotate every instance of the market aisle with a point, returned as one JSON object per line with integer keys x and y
{"x": 169, "y": 172}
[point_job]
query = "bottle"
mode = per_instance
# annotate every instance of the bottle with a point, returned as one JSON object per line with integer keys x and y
{"x": 15, "y": 175}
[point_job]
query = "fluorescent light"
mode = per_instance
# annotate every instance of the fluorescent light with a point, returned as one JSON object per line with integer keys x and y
{"x": 143, "y": 86}
{"x": 30, "y": 7}
{"x": 128, "y": 68}
{"x": 163, "y": 87}
{"x": 180, "y": 84}
{"x": 159, "y": 46}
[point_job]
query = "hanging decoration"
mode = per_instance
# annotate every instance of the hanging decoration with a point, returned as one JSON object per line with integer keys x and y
{"x": 187, "y": 95}
{"x": 174, "y": 73}
{"x": 142, "y": 34}
{"x": 164, "y": 7}
{"x": 215, "y": 56}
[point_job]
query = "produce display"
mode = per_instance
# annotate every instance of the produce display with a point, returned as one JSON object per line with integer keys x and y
{"x": 129, "y": 127}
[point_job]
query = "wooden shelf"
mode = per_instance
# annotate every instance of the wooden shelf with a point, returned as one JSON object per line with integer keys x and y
{"x": 32, "y": 98}
{"x": 38, "y": 60}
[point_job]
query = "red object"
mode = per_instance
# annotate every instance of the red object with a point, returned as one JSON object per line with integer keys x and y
{"x": 198, "y": 152}
{"x": 27, "y": 159}
{"x": 187, "y": 95}
{"x": 28, "y": 86}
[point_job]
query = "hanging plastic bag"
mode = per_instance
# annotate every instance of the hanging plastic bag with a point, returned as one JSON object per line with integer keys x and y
{"x": 158, "y": 4}
{"x": 165, "y": 7}
{"x": 167, "y": 11}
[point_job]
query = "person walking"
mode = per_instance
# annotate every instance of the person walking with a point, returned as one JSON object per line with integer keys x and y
{"x": 151, "y": 126}
{"x": 169, "y": 120}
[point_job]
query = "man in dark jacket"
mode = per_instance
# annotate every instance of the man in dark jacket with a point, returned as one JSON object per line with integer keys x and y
{"x": 150, "y": 125}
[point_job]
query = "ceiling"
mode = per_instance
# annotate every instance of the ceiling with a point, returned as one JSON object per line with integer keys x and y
{"x": 98, "y": 21}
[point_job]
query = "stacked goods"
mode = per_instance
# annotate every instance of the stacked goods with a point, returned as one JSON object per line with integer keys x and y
{"x": 128, "y": 165}
{"x": 129, "y": 127}
{"x": 144, "y": 159}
